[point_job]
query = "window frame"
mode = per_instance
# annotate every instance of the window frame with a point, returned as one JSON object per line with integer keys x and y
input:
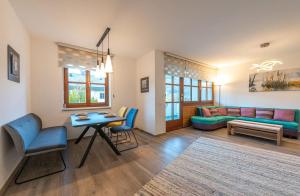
{"x": 88, "y": 84}
{"x": 172, "y": 84}
{"x": 191, "y": 91}
{"x": 206, "y": 87}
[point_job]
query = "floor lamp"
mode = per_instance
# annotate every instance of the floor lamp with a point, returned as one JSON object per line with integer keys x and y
{"x": 220, "y": 86}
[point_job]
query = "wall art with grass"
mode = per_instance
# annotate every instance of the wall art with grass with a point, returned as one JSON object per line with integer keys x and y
{"x": 279, "y": 80}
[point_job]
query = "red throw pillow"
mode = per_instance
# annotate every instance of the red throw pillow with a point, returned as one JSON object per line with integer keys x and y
{"x": 248, "y": 112}
{"x": 264, "y": 113}
{"x": 234, "y": 111}
{"x": 284, "y": 115}
{"x": 222, "y": 111}
{"x": 206, "y": 112}
{"x": 214, "y": 112}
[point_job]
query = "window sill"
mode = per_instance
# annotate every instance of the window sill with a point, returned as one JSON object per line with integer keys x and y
{"x": 86, "y": 108}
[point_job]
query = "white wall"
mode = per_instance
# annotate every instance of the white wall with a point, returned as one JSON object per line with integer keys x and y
{"x": 236, "y": 92}
{"x": 15, "y": 97}
{"x": 47, "y": 85}
{"x": 151, "y": 117}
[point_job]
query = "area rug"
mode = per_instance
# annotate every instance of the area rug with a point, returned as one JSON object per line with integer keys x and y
{"x": 214, "y": 167}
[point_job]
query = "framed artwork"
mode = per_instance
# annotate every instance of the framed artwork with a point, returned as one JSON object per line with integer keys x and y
{"x": 279, "y": 80}
{"x": 145, "y": 85}
{"x": 13, "y": 64}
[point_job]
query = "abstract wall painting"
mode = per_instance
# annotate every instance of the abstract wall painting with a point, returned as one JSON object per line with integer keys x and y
{"x": 279, "y": 80}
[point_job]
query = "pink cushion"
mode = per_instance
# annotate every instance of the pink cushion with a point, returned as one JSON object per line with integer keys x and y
{"x": 248, "y": 112}
{"x": 285, "y": 115}
{"x": 206, "y": 112}
{"x": 214, "y": 112}
{"x": 264, "y": 113}
{"x": 234, "y": 111}
{"x": 222, "y": 111}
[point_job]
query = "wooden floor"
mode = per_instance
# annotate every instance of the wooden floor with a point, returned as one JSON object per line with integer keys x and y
{"x": 104, "y": 173}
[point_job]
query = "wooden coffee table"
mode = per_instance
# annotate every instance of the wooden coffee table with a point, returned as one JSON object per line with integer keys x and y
{"x": 262, "y": 130}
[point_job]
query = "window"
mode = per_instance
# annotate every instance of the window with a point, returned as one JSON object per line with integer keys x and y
{"x": 172, "y": 97}
{"x": 83, "y": 89}
{"x": 190, "y": 90}
{"x": 206, "y": 91}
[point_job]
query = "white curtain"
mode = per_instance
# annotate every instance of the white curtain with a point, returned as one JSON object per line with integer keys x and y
{"x": 185, "y": 68}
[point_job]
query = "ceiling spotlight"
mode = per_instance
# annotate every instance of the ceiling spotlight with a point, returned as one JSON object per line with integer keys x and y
{"x": 264, "y": 45}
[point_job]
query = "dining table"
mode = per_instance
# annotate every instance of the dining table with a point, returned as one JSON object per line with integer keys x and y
{"x": 97, "y": 121}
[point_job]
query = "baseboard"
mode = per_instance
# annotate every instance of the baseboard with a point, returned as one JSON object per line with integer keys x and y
{"x": 11, "y": 178}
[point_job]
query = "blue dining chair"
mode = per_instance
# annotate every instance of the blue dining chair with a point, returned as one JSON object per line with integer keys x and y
{"x": 126, "y": 128}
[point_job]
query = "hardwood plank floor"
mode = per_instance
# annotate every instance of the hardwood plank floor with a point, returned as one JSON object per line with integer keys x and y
{"x": 104, "y": 173}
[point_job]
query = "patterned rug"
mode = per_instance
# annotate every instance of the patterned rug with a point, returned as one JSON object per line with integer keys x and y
{"x": 213, "y": 167}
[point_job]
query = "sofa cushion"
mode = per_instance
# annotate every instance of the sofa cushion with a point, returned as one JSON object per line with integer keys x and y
{"x": 264, "y": 113}
{"x": 285, "y": 115}
{"x": 248, "y": 112}
{"x": 233, "y": 111}
{"x": 214, "y": 112}
{"x": 285, "y": 124}
{"x": 49, "y": 139}
{"x": 222, "y": 111}
{"x": 211, "y": 120}
{"x": 206, "y": 112}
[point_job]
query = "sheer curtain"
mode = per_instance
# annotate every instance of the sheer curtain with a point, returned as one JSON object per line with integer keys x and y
{"x": 181, "y": 67}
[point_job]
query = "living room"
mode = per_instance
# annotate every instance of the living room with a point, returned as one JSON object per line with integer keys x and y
{"x": 149, "y": 97}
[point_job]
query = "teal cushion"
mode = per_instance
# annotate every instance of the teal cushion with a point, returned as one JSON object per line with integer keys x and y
{"x": 285, "y": 124}
{"x": 49, "y": 139}
{"x": 211, "y": 120}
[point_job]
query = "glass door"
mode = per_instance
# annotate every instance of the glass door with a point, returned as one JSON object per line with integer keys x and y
{"x": 173, "y": 102}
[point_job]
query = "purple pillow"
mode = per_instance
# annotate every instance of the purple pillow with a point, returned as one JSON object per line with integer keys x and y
{"x": 264, "y": 113}
{"x": 234, "y": 111}
{"x": 248, "y": 112}
{"x": 284, "y": 115}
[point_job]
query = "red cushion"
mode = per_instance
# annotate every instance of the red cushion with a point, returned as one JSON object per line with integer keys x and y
{"x": 222, "y": 111}
{"x": 206, "y": 112}
{"x": 234, "y": 111}
{"x": 285, "y": 115}
{"x": 248, "y": 112}
{"x": 214, "y": 112}
{"x": 264, "y": 113}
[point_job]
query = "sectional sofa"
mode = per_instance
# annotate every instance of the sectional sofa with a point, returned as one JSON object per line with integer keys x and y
{"x": 217, "y": 120}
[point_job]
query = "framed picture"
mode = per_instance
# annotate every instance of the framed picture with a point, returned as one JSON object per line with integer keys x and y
{"x": 277, "y": 80}
{"x": 145, "y": 85}
{"x": 13, "y": 64}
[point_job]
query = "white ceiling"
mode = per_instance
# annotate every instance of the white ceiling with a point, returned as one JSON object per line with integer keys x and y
{"x": 217, "y": 32}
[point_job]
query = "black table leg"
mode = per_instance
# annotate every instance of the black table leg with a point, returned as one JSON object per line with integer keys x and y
{"x": 107, "y": 139}
{"x": 81, "y": 135}
{"x": 88, "y": 149}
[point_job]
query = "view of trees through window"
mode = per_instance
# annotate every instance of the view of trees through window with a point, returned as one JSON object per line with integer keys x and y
{"x": 84, "y": 88}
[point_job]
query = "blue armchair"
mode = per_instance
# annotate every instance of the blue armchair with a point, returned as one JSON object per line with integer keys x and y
{"x": 30, "y": 139}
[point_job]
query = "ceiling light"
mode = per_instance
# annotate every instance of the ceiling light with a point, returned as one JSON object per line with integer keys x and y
{"x": 100, "y": 70}
{"x": 108, "y": 63}
{"x": 267, "y": 65}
